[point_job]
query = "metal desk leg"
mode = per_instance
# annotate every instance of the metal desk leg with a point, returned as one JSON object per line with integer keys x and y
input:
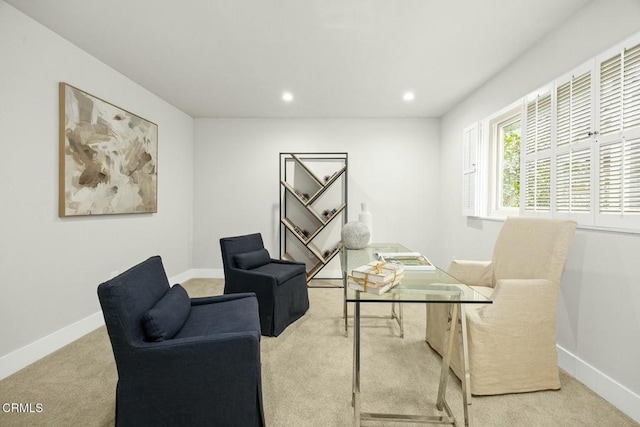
{"x": 356, "y": 365}
{"x": 446, "y": 357}
{"x": 398, "y": 317}
{"x": 345, "y": 310}
{"x": 466, "y": 380}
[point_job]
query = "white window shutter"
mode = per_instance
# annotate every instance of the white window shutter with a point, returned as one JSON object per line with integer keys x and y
{"x": 574, "y": 112}
{"x": 537, "y": 151}
{"x": 618, "y": 155}
{"x": 631, "y": 180}
{"x": 610, "y": 185}
{"x": 619, "y": 186}
{"x": 631, "y": 89}
{"x": 543, "y": 185}
{"x": 529, "y": 186}
{"x": 581, "y": 180}
{"x": 620, "y": 91}
{"x": 470, "y": 140}
{"x": 611, "y": 95}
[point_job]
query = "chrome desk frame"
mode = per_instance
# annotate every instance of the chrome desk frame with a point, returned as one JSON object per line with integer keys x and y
{"x": 422, "y": 290}
{"x": 456, "y": 317}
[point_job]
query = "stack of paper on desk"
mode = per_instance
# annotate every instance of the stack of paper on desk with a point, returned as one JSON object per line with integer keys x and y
{"x": 409, "y": 260}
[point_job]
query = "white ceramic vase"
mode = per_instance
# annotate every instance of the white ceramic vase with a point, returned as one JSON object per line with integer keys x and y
{"x": 366, "y": 218}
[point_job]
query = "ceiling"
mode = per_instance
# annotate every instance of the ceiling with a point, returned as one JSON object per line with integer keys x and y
{"x": 339, "y": 58}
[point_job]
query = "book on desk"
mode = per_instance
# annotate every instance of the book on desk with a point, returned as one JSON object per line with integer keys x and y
{"x": 376, "y": 277}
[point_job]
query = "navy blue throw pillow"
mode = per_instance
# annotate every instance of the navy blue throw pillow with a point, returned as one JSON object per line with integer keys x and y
{"x": 167, "y": 317}
{"x": 254, "y": 259}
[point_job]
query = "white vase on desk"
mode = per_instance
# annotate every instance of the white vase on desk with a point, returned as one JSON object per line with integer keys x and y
{"x": 366, "y": 218}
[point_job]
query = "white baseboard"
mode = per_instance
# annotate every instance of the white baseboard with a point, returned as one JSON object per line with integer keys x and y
{"x": 207, "y": 273}
{"x": 22, "y": 357}
{"x": 181, "y": 278}
{"x": 606, "y": 387}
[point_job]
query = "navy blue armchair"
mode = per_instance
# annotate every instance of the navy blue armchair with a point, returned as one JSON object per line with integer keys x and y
{"x": 181, "y": 361}
{"x": 281, "y": 286}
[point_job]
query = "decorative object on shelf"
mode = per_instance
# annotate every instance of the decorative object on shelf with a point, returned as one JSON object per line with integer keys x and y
{"x": 108, "y": 158}
{"x": 310, "y": 205}
{"x": 366, "y": 218}
{"x": 303, "y": 196}
{"x": 303, "y": 233}
{"x": 328, "y": 213}
{"x": 328, "y": 178}
{"x": 355, "y": 235}
{"x": 330, "y": 252}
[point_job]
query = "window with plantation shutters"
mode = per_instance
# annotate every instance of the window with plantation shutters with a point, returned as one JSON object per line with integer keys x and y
{"x": 470, "y": 137}
{"x": 537, "y": 147}
{"x": 573, "y": 140}
{"x": 580, "y": 144}
{"x": 618, "y": 141}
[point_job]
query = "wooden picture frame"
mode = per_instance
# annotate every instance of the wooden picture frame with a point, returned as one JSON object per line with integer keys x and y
{"x": 107, "y": 160}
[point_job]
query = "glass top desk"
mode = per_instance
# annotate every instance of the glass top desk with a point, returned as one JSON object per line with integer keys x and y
{"x": 421, "y": 287}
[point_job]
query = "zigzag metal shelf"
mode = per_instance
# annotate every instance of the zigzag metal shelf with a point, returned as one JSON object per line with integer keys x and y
{"x": 308, "y": 193}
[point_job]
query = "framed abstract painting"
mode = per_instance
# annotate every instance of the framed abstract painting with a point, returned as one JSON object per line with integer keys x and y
{"x": 108, "y": 158}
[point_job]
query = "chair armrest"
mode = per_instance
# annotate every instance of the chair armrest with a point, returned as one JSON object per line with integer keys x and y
{"x": 246, "y": 276}
{"x": 263, "y": 285}
{"x": 199, "y": 358}
{"x": 518, "y": 301}
{"x": 472, "y": 273}
{"x": 284, "y": 261}
{"x": 203, "y": 343}
{"x": 220, "y": 298}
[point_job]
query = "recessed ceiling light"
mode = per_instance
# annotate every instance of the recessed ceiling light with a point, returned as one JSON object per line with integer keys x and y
{"x": 287, "y": 96}
{"x": 408, "y": 96}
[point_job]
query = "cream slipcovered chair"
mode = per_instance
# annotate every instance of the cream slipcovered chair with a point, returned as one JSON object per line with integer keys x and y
{"x": 512, "y": 342}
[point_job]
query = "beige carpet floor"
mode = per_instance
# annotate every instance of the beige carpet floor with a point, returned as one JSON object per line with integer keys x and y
{"x": 306, "y": 374}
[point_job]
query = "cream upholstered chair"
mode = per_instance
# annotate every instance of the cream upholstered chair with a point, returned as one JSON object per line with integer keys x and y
{"x": 512, "y": 342}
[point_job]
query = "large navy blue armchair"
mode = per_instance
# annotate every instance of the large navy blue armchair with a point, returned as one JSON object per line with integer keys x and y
{"x": 181, "y": 361}
{"x": 281, "y": 286}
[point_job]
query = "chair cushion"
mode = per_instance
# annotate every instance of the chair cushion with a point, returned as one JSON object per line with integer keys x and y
{"x": 254, "y": 259}
{"x": 167, "y": 317}
{"x": 282, "y": 271}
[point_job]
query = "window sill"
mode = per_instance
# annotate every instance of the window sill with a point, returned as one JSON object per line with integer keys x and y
{"x": 498, "y": 218}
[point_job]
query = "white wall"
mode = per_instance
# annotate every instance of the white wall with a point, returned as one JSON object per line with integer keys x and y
{"x": 599, "y": 305}
{"x": 393, "y": 167}
{"x": 50, "y": 267}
